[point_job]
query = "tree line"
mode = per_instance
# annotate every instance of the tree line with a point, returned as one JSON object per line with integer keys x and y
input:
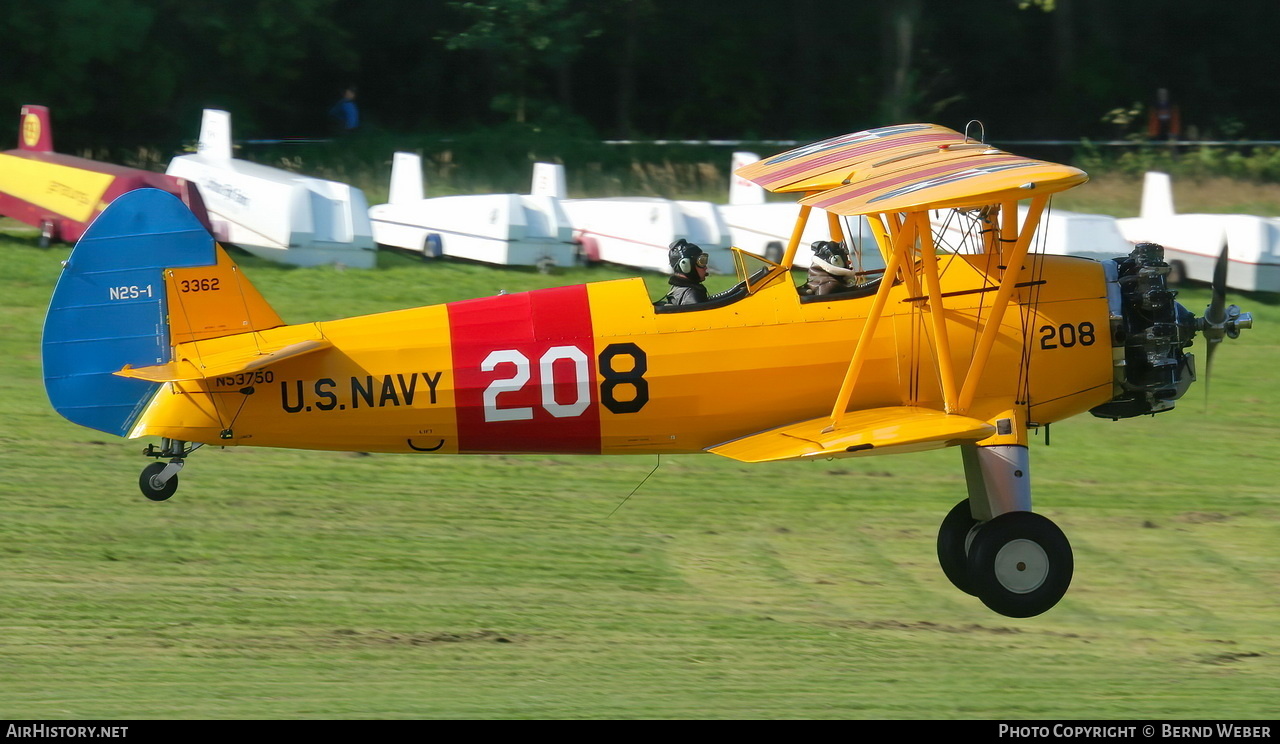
{"x": 132, "y": 72}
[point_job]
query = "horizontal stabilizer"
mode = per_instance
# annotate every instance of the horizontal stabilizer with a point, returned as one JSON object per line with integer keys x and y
{"x": 877, "y": 431}
{"x": 224, "y": 363}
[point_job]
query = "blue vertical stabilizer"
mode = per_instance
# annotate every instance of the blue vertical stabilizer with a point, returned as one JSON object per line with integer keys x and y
{"x": 109, "y": 308}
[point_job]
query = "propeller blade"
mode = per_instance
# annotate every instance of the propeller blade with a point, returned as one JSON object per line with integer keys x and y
{"x": 1216, "y": 316}
{"x": 1208, "y": 368}
{"x": 1217, "y": 310}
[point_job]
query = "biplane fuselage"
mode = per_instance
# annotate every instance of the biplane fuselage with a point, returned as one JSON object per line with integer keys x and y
{"x": 595, "y": 369}
{"x": 153, "y": 331}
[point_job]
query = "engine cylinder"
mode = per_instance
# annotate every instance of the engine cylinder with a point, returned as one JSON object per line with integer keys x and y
{"x": 1153, "y": 330}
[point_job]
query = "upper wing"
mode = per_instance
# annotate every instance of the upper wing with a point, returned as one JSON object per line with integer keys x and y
{"x": 942, "y": 179}
{"x": 907, "y": 167}
{"x": 876, "y": 431}
{"x": 830, "y": 163}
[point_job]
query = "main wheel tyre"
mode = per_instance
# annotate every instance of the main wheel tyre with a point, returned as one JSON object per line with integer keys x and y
{"x": 774, "y": 251}
{"x": 151, "y": 487}
{"x": 1020, "y": 564}
{"x": 953, "y": 538}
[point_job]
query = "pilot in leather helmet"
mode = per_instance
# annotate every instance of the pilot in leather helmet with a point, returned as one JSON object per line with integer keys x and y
{"x": 688, "y": 270}
{"x": 830, "y": 270}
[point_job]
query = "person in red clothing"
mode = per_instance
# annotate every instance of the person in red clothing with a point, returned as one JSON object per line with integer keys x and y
{"x": 1165, "y": 120}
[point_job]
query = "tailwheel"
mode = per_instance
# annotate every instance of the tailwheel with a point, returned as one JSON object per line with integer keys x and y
{"x": 159, "y": 480}
{"x": 155, "y": 485}
{"x": 953, "y": 542}
{"x": 1020, "y": 564}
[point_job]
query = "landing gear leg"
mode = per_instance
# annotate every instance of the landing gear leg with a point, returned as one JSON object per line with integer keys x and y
{"x": 159, "y": 480}
{"x": 992, "y": 546}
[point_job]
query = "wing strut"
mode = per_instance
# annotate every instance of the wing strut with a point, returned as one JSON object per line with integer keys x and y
{"x": 789, "y": 258}
{"x": 904, "y": 239}
{"x": 937, "y": 311}
{"x": 833, "y": 227}
{"x": 915, "y": 227}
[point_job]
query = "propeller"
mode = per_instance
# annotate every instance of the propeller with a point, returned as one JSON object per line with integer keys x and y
{"x": 1220, "y": 320}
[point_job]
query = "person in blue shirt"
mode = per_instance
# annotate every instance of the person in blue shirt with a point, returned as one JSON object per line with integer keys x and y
{"x": 344, "y": 113}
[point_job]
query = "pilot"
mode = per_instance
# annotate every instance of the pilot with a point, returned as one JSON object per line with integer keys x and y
{"x": 689, "y": 269}
{"x": 830, "y": 271}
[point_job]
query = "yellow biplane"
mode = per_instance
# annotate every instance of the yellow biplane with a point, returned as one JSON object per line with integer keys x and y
{"x": 154, "y": 332}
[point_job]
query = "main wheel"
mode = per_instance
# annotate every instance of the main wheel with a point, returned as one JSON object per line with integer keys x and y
{"x": 774, "y": 251}
{"x": 151, "y": 486}
{"x": 953, "y": 539}
{"x": 1020, "y": 564}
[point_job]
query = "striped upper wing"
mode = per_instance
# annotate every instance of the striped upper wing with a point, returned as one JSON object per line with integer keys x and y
{"x": 831, "y": 163}
{"x": 907, "y": 167}
{"x": 945, "y": 179}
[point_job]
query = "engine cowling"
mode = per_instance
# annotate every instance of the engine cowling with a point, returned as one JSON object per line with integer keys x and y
{"x": 1150, "y": 332}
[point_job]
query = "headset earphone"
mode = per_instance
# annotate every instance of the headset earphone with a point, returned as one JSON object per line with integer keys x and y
{"x": 684, "y": 264}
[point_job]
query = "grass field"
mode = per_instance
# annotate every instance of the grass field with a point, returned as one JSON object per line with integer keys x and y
{"x": 291, "y": 584}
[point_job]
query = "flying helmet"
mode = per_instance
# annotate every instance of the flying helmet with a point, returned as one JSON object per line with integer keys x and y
{"x": 684, "y": 256}
{"x": 832, "y": 252}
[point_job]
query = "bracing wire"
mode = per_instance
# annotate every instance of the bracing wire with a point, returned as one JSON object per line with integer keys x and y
{"x": 244, "y": 301}
{"x": 1032, "y": 308}
{"x": 637, "y": 488}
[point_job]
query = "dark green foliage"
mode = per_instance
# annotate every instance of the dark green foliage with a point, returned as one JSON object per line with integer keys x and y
{"x": 129, "y": 72}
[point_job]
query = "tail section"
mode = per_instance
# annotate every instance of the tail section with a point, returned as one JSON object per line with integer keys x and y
{"x": 742, "y": 191}
{"x": 406, "y": 178}
{"x": 548, "y": 180}
{"x": 215, "y": 135}
{"x": 1157, "y": 195}
{"x": 145, "y": 277}
{"x": 35, "y": 133}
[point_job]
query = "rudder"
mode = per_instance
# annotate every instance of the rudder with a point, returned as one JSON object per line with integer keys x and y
{"x": 112, "y": 307}
{"x": 215, "y": 135}
{"x": 1157, "y": 196}
{"x": 406, "y": 178}
{"x": 34, "y": 131}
